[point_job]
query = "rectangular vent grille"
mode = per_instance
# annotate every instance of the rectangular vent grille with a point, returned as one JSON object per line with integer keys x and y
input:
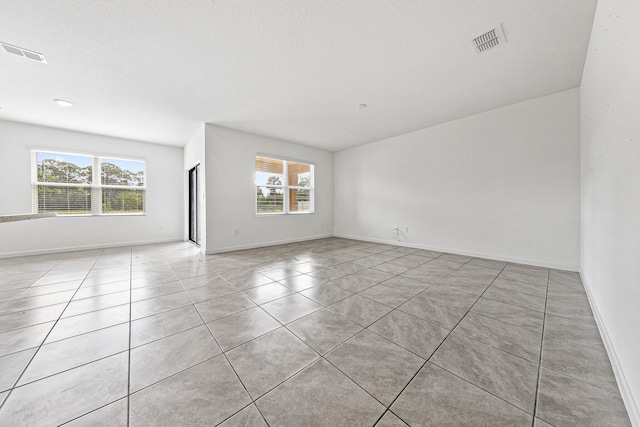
{"x": 489, "y": 40}
{"x": 24, "y": 52}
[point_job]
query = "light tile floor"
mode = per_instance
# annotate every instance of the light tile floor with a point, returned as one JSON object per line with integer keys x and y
{"x": 330, "y": 332}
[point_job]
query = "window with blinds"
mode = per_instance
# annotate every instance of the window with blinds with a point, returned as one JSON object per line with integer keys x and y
{"x": 283, "y": 186}
{"x": 77, "y": 184}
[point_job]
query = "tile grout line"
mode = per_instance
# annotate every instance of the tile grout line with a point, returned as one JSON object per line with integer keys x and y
{"x": 285, "y": 326}
{"x": 6, "y": 398}
{"x": 281, "y": 297}
{"x": 15, "y": 297}
{"x": 544, "y": 320}
{"x": 323, "y": 357}
{"x": 223, "y": 353}
{"x": 481, "y": 388}
{"x": 72, "y": 368}
{"x": 387, "y": 408}
{"x": 95, "y": 311}
{"x": 35, "y": 279}
{"x": 500, "y": 349}
{"x": 129, "y": 349}
{"x": 507, "y": 323}
{"x": 92, "y": 411}
{"x": 445, "y": 338}
{"x": 442, "y": 342}
{"x": 355, "y": 382}
{"x": 386, "y": 314}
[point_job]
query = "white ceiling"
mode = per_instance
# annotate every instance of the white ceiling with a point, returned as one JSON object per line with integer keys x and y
{"x": 294, "y": 70}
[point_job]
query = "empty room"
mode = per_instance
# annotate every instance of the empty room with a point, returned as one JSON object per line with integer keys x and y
{"x": 320, "y": 213}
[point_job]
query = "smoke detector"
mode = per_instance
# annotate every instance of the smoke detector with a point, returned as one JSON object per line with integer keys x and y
{"x": 489, "y": 40}
{"x": 24, "y": 52}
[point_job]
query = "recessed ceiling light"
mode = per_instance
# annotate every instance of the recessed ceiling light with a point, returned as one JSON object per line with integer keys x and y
{"x": 63, "y": 103}
{"x": 361, "y": 106}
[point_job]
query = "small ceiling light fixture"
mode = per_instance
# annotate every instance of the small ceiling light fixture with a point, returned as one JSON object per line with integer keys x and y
{"x": 20, "y": 51}
{"x": 362, "y": 106}
{"x": 63, "y": 103}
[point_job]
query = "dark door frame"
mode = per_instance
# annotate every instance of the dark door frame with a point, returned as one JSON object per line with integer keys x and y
{"x": 193, "y": 204}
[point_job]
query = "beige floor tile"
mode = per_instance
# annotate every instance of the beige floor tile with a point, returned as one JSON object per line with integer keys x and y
{"x": 269, "y": 360}
{"x": 380, "y": 367}
{"x": 205, "y": 394}
{"x": 360, "y": 319}
{"x": 320, "y": 396}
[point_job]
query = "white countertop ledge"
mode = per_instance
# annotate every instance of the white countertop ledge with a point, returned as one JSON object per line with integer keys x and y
{"x": 23, "y": 217}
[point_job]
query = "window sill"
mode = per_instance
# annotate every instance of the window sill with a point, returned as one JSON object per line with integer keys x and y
{"x": 283, "y": 214}
{"x": 98, "y": 215}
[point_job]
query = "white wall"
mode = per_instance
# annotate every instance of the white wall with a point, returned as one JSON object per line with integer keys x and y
{"x": 164, "y": 211}
{"x": 231, "y": 192}
{"x": 610, "y": 225}
{"x": 194, "y": 154}
{"x": 503, "y": 184}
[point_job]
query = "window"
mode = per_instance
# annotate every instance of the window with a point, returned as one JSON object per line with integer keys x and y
{"x": 122, "y": 183}
{"x": 77, "y": 184}
{"x": 283, "y": 186}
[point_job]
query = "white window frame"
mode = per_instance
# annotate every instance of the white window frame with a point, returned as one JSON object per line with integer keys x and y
{"x": 96, "y": 185}
{"x": 285, "y": 186}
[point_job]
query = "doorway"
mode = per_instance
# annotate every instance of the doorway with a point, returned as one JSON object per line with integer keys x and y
{"x": 194, "y": 217}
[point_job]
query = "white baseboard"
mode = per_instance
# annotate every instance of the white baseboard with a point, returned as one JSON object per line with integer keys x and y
{"x": 87, "y": 247}
{"x": 265, "y": 244}
{"x": 459, "y": 252}
{"x": 625, "y": 390}
{"x": 281, "y": 242}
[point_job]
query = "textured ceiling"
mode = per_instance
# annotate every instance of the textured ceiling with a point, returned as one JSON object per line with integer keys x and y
{"x": 294, "y": 70}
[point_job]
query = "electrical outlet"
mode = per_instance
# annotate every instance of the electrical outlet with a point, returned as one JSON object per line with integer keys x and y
{"x": 235, "y": 231}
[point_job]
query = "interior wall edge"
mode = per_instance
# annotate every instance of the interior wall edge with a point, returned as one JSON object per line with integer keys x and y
{"x": 573, "y": 268}
{"x": 621, "y": 379}
{"x": 266, "y": 244}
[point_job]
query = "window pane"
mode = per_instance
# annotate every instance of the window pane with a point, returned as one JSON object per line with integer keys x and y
{"x": 64, "y": 200}
{"x": 269, "y": 171}
{"x": 269, "y": 200}
{"x": 122, "y": 201}
{"x": 122, "y": 172}
{"x": 299, "y": 174}
{"x": 299, "y": 200}
{"x": 64, "y": 168}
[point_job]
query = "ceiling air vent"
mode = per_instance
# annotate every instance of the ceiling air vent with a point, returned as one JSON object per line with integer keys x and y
{"x": 24, "y": 52}
{"x": 490, "y": 39}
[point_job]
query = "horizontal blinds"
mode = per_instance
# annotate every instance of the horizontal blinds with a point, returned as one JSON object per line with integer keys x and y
{"x": 300, "y": 200}
{"x": 270, "y": 200}
{"x": 299, "y": 174}
{"x": 64, "y": 200}
{"x": 267, "y": 165}
{"x": 122, "y": 201}
{"x": 76, "y": 184}
{"x": 269, "y": 171}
